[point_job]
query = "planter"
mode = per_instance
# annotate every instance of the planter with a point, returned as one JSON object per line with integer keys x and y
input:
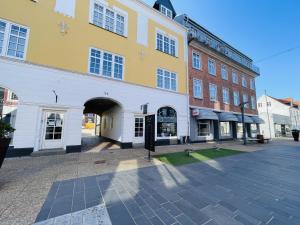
{"x": 295, "y": 134}
{"x": 4, "y": 144}
{"x": 260, "y": 138}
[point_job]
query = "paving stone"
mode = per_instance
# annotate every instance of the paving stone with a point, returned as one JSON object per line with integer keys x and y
{"x": 142, "y": 220}
{"x": 119, "y": 215}
{"x": 172, "y": 209}
{"x": 61, "y": 206}
{"x": 184, "y": 220}
{"x": 156, "y": 221}
{"x": 165, "y": 216}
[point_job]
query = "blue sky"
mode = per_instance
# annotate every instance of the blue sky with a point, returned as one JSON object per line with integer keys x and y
{"x": 258, "y": 28}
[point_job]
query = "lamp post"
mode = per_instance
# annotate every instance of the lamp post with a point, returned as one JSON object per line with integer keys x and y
{"x": 242, "y": 106}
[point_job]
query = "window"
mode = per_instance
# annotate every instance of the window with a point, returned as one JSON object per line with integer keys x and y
{"x": 13, "y": 96}
{"x": 226, "y": 99}
{"x": 166, "y": 80}
{"x": 253, "y": 102}
{"x": 245, "y": 99}
{"x": 2, "y": 32}
{"x": 236, "y": 98}
{"x": 260, "y": 105}
{"x": 166, "y": 122}
{"x": 108, "y": 19}
{"x": 166, "y": 44}
{"x": 106, "y": 64}
{"x": 120, "y": 25}
{"x": 225, "y": 129}
{"x": 244, "y": 81}
{"x": 196, "y": 61}
{"x": 13, "y": 40}
{"x": 166, "y": 11}
{"x": 197, "y": 88}
{"x": 235, "y": 78}
{"x": 139, "y": 127}
{"x": 203, "y": 129}
{"x": 224, "y": 72}
{"x": 211, "y": 67}
{"x": 213, "y": 92}
{"x": 252, "y": 84}
{"x": 54, "y": 126}
{"x": 269, "y": 104}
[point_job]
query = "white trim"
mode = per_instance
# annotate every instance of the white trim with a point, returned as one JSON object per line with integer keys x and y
{"x": 215, "y": 66}
{"x": 201, "y": 82}
{"x": 116, "y": 10}
{"x": 226, "y": 69}
{"x": 200, "y": 59}
{"x": 170, "y": 37}
{"x": 101, "y": 64}
{"x": 7, "y": 36}
{"x": 228, "y": 91}
{"x": 216, "y": 99}
{"x": 162, "y": 88}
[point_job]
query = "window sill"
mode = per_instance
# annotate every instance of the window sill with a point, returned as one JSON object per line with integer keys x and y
{"x": 199, "y": 69}
{"x": 212, "y": 74}
{"x": 198, "y": 98}
{"x": 123, "y": 36}
{"x": 167, "y": 54}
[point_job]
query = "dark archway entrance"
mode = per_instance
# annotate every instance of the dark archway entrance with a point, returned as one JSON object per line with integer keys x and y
{"x": 99, "y": 131}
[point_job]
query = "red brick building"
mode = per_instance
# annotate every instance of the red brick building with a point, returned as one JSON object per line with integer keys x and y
{"x": 220, "y": 79}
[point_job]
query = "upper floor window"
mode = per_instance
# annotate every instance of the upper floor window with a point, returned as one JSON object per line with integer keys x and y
{"x": 196, "y": 61}
{"x": 106, "y": 64}
{"x": 253, "y": 102}
{"x": 252, "y": 84}
{"x": 211, "y": 67}
{"x": 236, "y": 98}
{"x": 244, "y": 81}
{"x": 226, "y": 95}
{"x": 166, "y": 80}
{"x": 109, "y": 19}
{"x": 235, "y": 78}
{"x": 224, "y": 72}
{"x": 166, "y": 11}
{"x": 245, "y": 100}
{"x": 166, "y": 44}
{"x": 260, "y": 105}
{"x": 213, "y": 92}
{"x": 13, "y": 40}
{"x": 197, "y": 88}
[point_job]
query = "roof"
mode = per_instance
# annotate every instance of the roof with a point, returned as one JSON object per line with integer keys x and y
{"x": 167, "y": 3}
{"x": 288, "y": 101}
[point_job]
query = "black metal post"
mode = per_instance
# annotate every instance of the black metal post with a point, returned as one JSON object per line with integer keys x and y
{"x": 243, "y": 121}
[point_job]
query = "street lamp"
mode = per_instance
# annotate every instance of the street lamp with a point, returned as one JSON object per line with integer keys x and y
{"x": 242, "y": 106}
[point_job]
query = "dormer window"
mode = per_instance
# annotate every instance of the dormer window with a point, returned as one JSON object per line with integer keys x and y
{"x": 166, "y": 11}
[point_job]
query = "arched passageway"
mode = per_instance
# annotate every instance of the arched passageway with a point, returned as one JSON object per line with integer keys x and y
{"x": 101, "y": 125}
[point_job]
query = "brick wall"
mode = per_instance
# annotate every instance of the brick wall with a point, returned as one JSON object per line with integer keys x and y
{"x": 217, "y": 80}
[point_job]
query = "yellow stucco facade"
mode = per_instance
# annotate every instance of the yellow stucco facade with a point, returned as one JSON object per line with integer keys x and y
{"x": 70, "y": 50}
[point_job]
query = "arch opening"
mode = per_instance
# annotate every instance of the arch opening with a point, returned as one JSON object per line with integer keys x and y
{"x": 101, "y": 125}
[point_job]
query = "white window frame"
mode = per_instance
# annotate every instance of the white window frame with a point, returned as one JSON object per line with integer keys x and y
{"x": 230, "y": 129}
{"x": 166, "y": 11}
{"x": 216, "y": 92}
{"x": 246, "y": 99}
{"x": 114, "y": 9}
{"x": 170, "y": 37}
{"x": 226, "y": 90}
{"x": 6, "y": 38}
{"x": 200, "y": 60}
{"x": 214, "y": 73}
{"x": 244, "y": 81}
{"x": 253, "y": 103}
{"x": 143, "y": 125}
{"x": 236, "y": 98}
{"x": 101, "y": 64}
{"x": 235, "y": 74}
{"x": 163, "y": 81}
{"x": 201, "y": 88}
{"x": 252, "y": 84}
{"x": 224, "y": 72}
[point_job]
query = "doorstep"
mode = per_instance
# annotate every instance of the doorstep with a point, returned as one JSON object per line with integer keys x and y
{"x": 48, "y": 152}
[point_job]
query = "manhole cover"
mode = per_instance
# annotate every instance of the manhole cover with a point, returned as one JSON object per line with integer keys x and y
{"x": 100, "y": 162}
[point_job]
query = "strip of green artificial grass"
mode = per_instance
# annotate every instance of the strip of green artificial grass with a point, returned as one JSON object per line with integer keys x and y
{"x": 181, "y": 158}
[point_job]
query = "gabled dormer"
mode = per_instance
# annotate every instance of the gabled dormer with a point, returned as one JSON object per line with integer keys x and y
{"x": 165, "y": 7}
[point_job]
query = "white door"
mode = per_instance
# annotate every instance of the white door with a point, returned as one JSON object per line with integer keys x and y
{"x": 139, "y": 130}
{"x": 53, "y": 124}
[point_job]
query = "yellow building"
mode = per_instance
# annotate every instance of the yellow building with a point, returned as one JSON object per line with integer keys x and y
{"x": 64, "y": 58}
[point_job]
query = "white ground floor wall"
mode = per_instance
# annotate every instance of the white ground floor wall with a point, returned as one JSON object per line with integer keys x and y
{"x": 35, "y": 86}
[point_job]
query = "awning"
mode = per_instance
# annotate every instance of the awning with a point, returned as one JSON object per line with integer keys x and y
{"x": 227, "y": 117}
{"x": 257, "y": 120}
{"x": 280, "y": 119}
{"x": 206, "y": 114}
{"x": 247, "y": 119}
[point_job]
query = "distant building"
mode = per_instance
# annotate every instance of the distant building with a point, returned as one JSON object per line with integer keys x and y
{"x": 8, "y": 105}
{"x": 220, "y": 79}
{"x": 280, "y": 116}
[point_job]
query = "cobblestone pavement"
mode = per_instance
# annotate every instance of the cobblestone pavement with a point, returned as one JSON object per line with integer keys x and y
{"x": 260, "y": 187}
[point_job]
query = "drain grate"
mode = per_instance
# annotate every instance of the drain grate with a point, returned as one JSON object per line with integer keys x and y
{"x": 100, "y": 162}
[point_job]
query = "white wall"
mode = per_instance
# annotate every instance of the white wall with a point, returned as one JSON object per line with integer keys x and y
{"x": 112, "y": 124}
{"x": 34, "y": 86}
